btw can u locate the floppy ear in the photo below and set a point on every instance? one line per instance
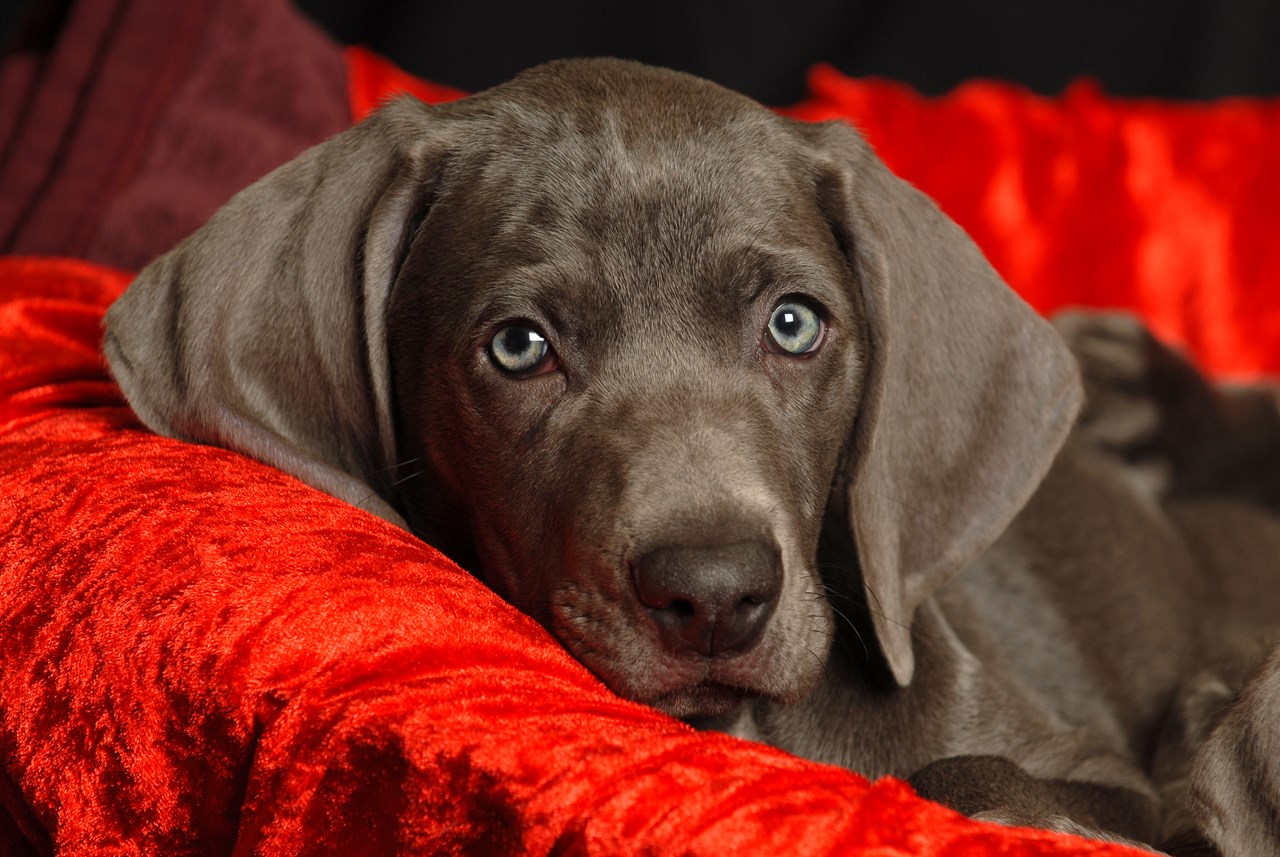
(265, 331)
(968, 393)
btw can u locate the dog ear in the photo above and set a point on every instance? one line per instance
(265, 331)
(968, 393)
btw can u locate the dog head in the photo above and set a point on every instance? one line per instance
(622, 341)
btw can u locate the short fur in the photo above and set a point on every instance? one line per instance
(333, 320)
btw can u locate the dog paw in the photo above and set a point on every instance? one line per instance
(1144, 403)
(1058, 824)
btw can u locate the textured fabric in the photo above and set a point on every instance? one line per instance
(145, 116)
(201, 655)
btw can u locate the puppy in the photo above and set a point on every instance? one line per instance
(728, 408)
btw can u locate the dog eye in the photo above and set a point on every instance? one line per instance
(794, 328)
(518, 348)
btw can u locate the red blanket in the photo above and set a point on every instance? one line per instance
(199, 654)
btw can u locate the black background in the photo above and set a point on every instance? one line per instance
(1190, 49)
(1193, 49)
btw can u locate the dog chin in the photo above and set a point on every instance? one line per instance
(706, 703)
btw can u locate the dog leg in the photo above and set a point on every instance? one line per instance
(1179, 434)
(992, 788)
(1235, 776)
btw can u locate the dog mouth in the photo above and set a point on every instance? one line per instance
(703, 705)
(611, 630)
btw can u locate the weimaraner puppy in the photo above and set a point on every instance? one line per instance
(741, 418)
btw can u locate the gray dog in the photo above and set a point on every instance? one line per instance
(727, 406)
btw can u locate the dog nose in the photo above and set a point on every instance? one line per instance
(712, 598)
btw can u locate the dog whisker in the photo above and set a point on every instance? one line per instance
(769, 221)
(397, 483)
(397, 465)
(414, 475)
(849, 622)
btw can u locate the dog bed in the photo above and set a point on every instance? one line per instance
(201, 655)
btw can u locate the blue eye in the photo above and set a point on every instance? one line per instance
(518, 348)
(794, 328)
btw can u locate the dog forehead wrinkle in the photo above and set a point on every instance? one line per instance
(660, 220)
(592, 152)
(648, 217)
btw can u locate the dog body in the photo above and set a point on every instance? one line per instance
(1062, 649)
(724, 405)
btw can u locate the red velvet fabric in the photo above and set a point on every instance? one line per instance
(202, 655)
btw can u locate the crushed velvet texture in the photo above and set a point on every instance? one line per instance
(203, 655)
(128, 128)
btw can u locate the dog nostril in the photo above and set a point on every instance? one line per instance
(675, 607)
(710, 598)
(681, 609)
